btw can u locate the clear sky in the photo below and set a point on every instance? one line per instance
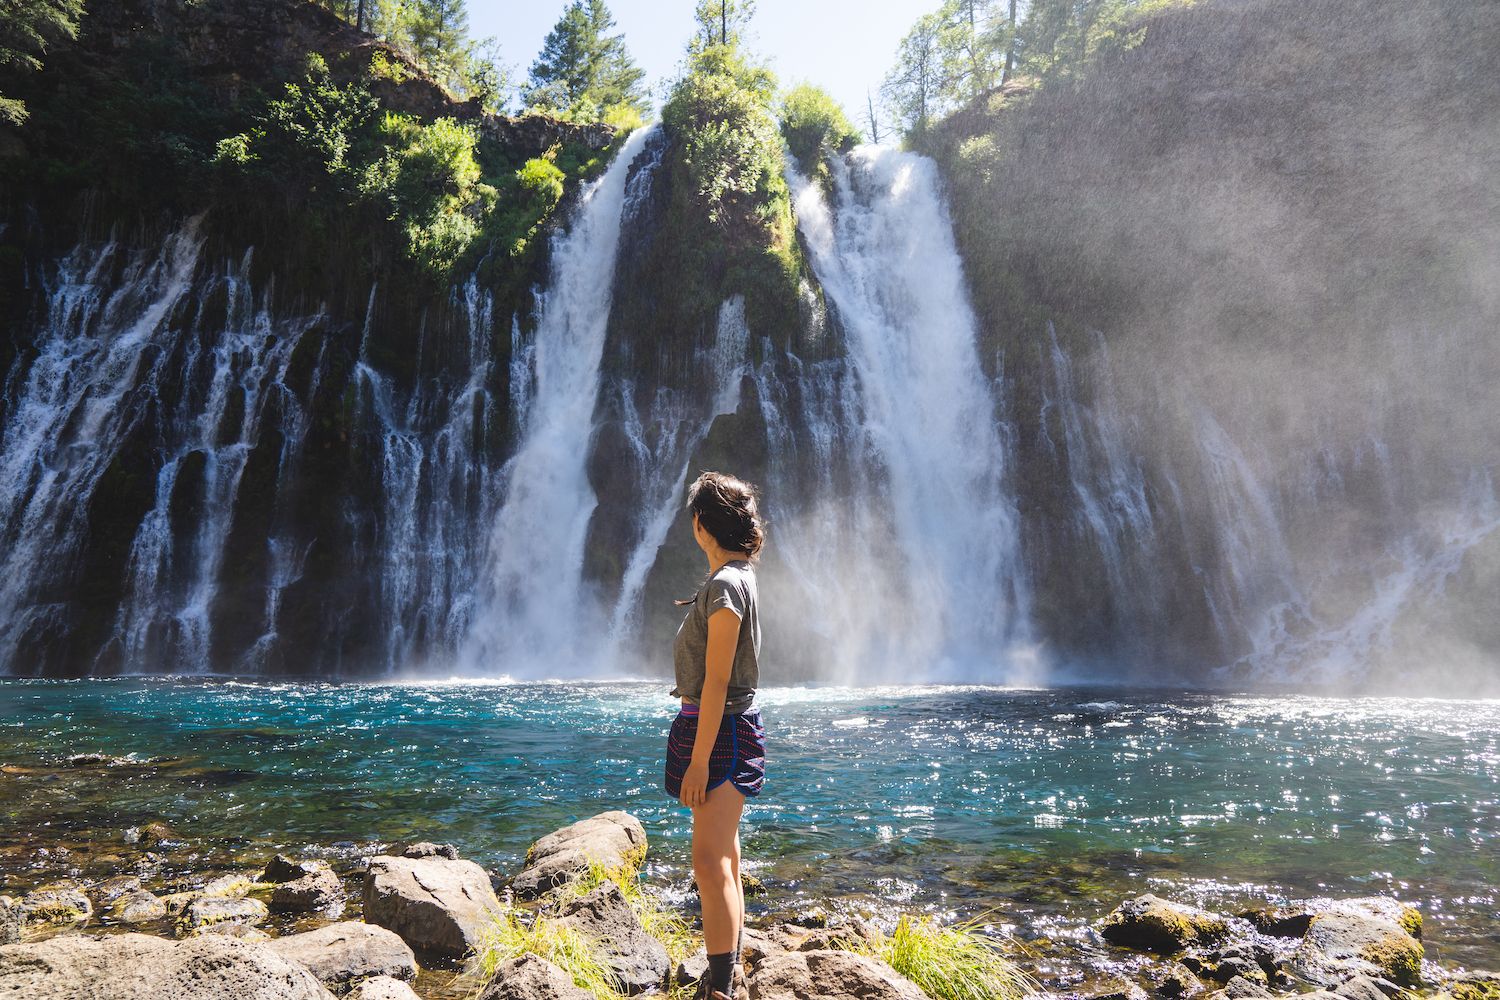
(844, 46)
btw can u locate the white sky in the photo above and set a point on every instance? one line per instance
(844, 46)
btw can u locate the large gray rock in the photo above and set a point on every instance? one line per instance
(383, 988)
(638, 960)
(1365, 937)
(342, 954)
(208, 912)
(282, 868)
(319, 891)
(437, 905)
(1161, 925)
(138, 967)
(11, 921)
(532, 978)
(57, 904)
(610, 839)
(829, 975)
(140, 907)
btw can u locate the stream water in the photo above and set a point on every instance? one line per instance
(1039, 808)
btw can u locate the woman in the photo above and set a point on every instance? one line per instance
(716, 749)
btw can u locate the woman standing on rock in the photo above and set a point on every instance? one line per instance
(716, 753)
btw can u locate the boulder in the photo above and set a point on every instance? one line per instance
(1366, 988)
(829, 975)
(1159, 925)
(1226, 961)
(611, 839)
(340, 955)
(317, 892)
(140, 907)
(1277, 921)
(60, 903)
(531, 977)
(245, 932)
(437, 905)
(205, 912)
(284, 869)
(1240, 988)
(1369, 937)
(11, 921)
(692, 968)
(1119, 989)
(637, 959)
(138, 966)
(1174, 981)
(382, 988)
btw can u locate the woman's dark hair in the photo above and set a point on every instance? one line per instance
(728, 509)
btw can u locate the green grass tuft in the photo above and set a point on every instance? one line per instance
(950, 963)
(510, 935)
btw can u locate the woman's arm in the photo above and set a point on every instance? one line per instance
(723, 636)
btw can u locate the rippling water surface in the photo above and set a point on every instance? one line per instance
(1041, 808)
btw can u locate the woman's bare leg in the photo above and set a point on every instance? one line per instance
(716, 864)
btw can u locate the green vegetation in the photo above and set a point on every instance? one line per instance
(448, 195)
(812, 120)
(949, 963)
(968, 48)
(661, 922)
(584, 73)
(513, 933)
(27, 29)
(434, 34)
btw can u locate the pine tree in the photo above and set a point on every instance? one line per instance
(722, 22)
(583, 70)
(439, 34)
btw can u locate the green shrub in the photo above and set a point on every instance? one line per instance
(811, 118)
(542, 178)
(728, 139)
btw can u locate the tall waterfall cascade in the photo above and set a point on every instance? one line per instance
(917, 559)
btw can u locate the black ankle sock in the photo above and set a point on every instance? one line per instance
(721, 972)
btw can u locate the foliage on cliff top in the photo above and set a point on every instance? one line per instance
(450, 197)
(585, 73)
(811, 120)
(730, 215)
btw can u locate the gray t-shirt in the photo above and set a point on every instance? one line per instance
(732, 587)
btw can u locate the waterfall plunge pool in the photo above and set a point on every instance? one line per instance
(1039, 809)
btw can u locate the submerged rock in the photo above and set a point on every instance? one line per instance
(531, 977)
(611, 839)
(638, 960)
(341, 954)
(436, 905)
(229, 886)
(138, 966)
(111, 889)
(829, 975)
(1370, 936)
(1159, 925)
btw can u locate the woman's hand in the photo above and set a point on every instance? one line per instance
(695, 785)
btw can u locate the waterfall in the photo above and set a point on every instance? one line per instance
(920, 555)
(533, 610)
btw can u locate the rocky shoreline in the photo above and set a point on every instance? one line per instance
(432, 924)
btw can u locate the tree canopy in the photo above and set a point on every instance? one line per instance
(585, 71)
(27, 29)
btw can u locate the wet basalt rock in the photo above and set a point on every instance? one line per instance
(1162, 926)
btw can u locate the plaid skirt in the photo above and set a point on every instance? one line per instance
(738, 757)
